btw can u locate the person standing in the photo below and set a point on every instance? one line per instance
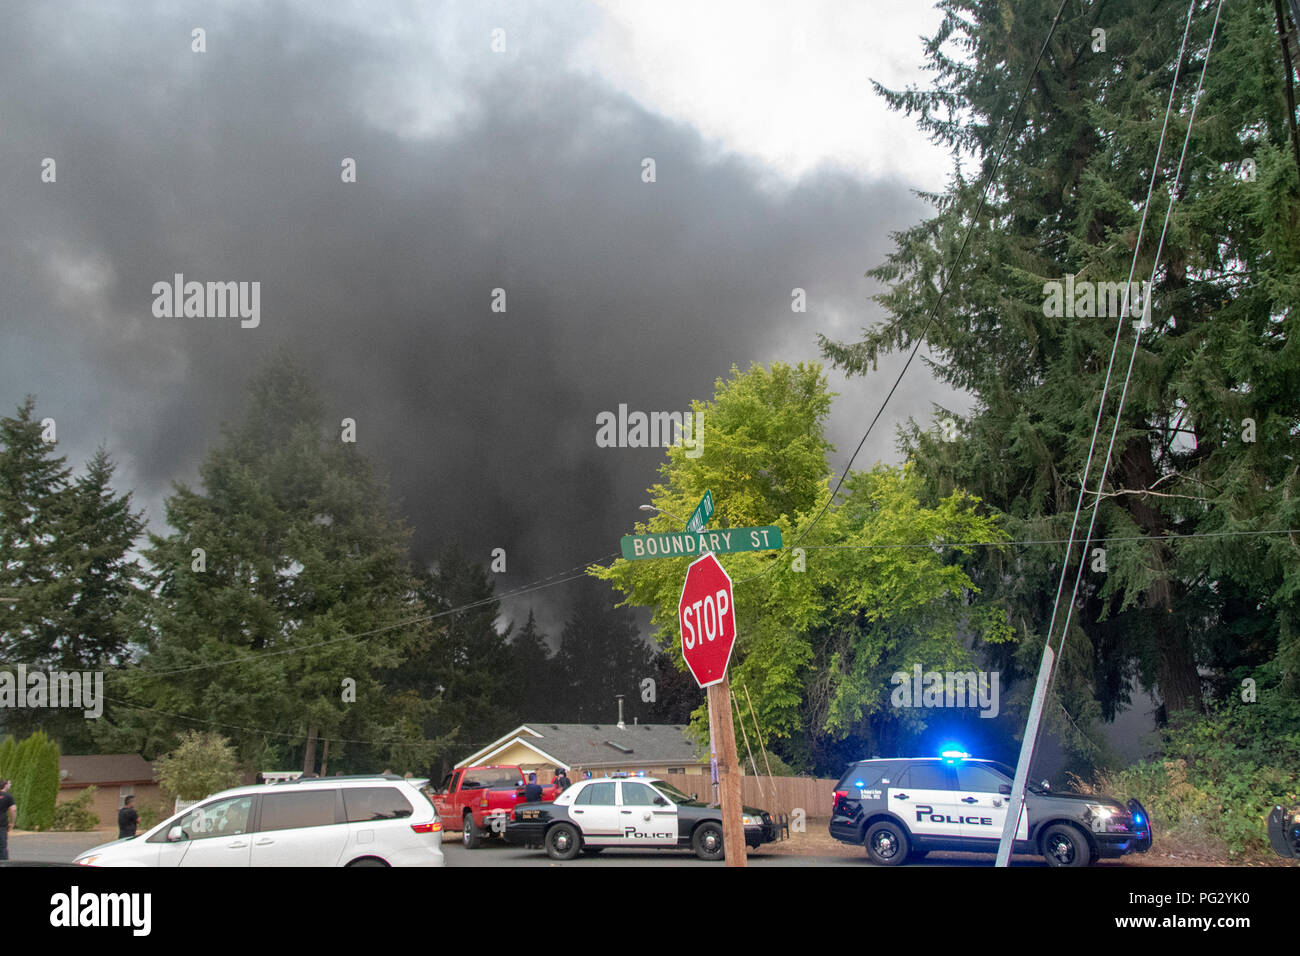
(8, 816)
(127, 819)
(561, 779)
(532, 792)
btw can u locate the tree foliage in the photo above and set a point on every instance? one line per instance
(1208, 439)
(821, 629)
(201, 764)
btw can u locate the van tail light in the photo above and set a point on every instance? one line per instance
(839, 795)
(434, 827)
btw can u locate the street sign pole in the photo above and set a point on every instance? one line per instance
(733, 829)
(713, 750)
(1016, 802)
(707, 617)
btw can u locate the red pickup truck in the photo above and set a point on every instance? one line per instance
(483, 799)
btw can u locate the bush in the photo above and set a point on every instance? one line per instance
(6, 757)
(201, 764)
(77, 815)
(151, 815)
(1220, 776)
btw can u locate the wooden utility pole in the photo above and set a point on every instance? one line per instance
(733, 828)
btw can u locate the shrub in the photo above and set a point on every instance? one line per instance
(77, 815)
(1220, 775)
(201, 764)
(151, 815)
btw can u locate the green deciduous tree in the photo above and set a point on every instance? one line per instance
(820, 629)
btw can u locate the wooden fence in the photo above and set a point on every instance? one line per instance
(773, 794)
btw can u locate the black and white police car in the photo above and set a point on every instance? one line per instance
(641, 812)
(903, 808)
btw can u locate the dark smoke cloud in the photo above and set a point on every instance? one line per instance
(225, 166)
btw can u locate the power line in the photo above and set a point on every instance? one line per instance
(1046, 541)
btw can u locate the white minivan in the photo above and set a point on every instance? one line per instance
(317, 821)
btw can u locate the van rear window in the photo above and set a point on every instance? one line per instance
(365, 804)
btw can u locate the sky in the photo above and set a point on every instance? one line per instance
(496, 145)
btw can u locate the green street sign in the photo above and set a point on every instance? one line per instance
(703, 512)
(688, 544)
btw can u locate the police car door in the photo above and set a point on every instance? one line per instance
(653, 823)
(925, 797)
(595, 811)
(985, 805)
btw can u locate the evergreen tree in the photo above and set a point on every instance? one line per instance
(535, 673)
(463, 668)
(601, 656)
(281, 591)
(7, 757)
(1207, 441)
(40, 784)
(101, 528)
(33, 506)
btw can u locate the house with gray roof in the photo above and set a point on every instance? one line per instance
(653, 749)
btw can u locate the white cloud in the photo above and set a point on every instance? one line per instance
(787, 84)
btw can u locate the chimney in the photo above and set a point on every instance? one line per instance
(621, 725)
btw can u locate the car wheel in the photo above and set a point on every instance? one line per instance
(1064, 845)
(562, 842)
(469, 834)
(368, 861)
(887, 844)
(707, 842)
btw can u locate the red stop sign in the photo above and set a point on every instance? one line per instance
(707, 618)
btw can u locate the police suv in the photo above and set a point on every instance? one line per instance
(902, 809)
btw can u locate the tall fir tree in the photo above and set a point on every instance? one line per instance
(535, 673)
(601, 656)
(1207, 442)
(34, 499)
(462, 668)
(280, 593)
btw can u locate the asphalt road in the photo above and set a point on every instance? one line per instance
(63, 847)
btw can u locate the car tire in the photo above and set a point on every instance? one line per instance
(1065, 845)
(469, 834)
(563, 842)
(706, 841)
(887, 844)
(366, 861)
